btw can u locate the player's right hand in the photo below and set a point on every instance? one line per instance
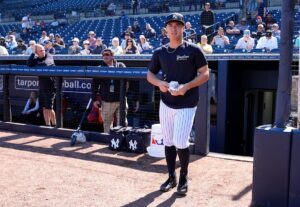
(163, 86)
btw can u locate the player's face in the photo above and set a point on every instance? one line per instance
(107, 57)
(175, 30)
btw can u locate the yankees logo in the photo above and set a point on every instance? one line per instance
(132, 145)
(115, 143)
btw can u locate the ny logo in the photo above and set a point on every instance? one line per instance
(174, 16)
(115, 143)
(132, 145)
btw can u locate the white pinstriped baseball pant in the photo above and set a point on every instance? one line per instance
(176, 125)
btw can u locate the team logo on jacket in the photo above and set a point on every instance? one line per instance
(181, 57)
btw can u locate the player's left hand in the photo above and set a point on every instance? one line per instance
(180, 91)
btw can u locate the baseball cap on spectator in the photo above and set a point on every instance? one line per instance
(46, 42)
(86, 42)
(75, 39)
(207, 3)
(175, 17)
(99, 38)
(20, 40)
(57, 35)
(275, 25)
(258, 17)
(246, 32)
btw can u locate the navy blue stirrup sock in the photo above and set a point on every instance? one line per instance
(171, 159)
(184, 157)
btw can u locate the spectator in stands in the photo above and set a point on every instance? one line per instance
(51, 37)
(59, 43)
(207, 48)
(220, 39)
(48, 45)
(3, 42)
(20, 49)
(75, 48)
(25, 33)
(43, 24)
(12, 43)
(231, 29)
(47, 91)
(99, 46)
(297, 41)
(260, 21)
(163, 38)
(276, 31)
(207, 19)
(92, 39)
(129, 32)
(3, 50)
(131, 47)
(267, 42)
(31, 47)
(143, 44)
(136, 27)
(135, 5)
(246, 42)
(26, 22)
(31, 109)
(16, 34)
(126, 37)
(116, 48)
(189, 33)
(269, 21)
(261, 9)
(86, 48)
(192, 3)
(242, 26)
(150, 32)
(43, 38)
(260, 32)
(111, 9)
(109, 91)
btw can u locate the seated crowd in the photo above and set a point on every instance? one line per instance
(246, 36)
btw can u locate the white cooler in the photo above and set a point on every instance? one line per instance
(157, 147)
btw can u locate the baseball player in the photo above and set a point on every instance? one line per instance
(184, 68)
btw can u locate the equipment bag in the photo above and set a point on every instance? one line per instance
(138, 140)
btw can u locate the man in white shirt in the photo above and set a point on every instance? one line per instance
(31, 47)
(268, 42)
(246, 42)
(220, 39)
(3, 50)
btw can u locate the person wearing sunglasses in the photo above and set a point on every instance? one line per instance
(109, 91)
(131, 47)
(47, 90)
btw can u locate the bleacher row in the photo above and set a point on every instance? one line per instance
(114, 27)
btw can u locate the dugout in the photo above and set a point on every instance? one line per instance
(242, 87)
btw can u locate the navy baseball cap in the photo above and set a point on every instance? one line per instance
(175, 17)
(46, 42)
